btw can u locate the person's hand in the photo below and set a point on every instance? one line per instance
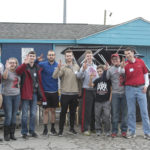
(144, 89)
(59, 64)
(40, 58)
(106, 66)
(84, 65)
(92, 75)
(7, 65)
(26, 60)
(123, 63)
(44, 104)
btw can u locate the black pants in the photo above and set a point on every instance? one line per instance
(71, 101)
(87, 121)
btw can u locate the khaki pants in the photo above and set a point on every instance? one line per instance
(1, 100)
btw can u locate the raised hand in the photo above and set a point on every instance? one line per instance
(106, 66)
(123, 64)
(40, 58)
(7, 65)
(26, 60)
(84, 65)
(59, 64)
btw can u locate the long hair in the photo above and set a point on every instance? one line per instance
(13, 58)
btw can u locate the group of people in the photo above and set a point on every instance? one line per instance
(109, 94)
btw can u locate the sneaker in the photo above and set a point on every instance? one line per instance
(147, 136)
(45, 131)
(72, 131)
(107, 134)
(131, 135)
(34, 135)
(87, 133)
(60, 134)
(53, 132)
(98, 132)
(113, 135)
(25, 136)
(124, 134)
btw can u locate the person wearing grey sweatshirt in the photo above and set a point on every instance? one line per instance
(118, 103)
(88, 93)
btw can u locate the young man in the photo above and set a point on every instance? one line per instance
(88, 92)
(69, 90)
(119, 104)
(31, 88)
(136, 84)
(102, 101)
(50, 86)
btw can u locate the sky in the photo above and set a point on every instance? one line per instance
(78, 11)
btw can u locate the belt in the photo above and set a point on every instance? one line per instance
(136, 85)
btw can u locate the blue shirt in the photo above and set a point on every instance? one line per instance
(49, 83)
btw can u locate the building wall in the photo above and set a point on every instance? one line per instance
(136, 32)
(145, 51)
(14, 50)
(58, 49)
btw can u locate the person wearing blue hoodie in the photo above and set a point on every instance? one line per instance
(50, 86)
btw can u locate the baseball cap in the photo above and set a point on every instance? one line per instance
(114, 55)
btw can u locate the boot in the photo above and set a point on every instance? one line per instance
(12, 132)
(6, 133)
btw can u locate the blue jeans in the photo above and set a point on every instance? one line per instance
(11, 105)
(119, 106)
(32, 106)
(133, 94)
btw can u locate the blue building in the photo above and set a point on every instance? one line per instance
(16, 39)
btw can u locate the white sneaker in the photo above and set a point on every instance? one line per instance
(87, 133)
(131, 135)
(147, 136)
(98, 132)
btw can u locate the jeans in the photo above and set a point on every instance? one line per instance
(119, 106)
(11, 105)
(133, 94)
(32, 106)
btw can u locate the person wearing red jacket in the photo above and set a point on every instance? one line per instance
(31, 90)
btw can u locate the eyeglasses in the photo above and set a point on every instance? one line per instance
(12, 63)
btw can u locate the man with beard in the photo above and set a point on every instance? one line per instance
(50, 86)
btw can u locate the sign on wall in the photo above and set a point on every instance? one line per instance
(24, 52)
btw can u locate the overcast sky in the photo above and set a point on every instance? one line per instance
(78, 11)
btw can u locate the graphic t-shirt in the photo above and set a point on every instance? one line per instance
(117, 79)
(11, 86)
(103, 87)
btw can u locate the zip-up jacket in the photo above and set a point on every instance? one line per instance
(27, 83)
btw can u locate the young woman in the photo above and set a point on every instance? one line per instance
(11, 96)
